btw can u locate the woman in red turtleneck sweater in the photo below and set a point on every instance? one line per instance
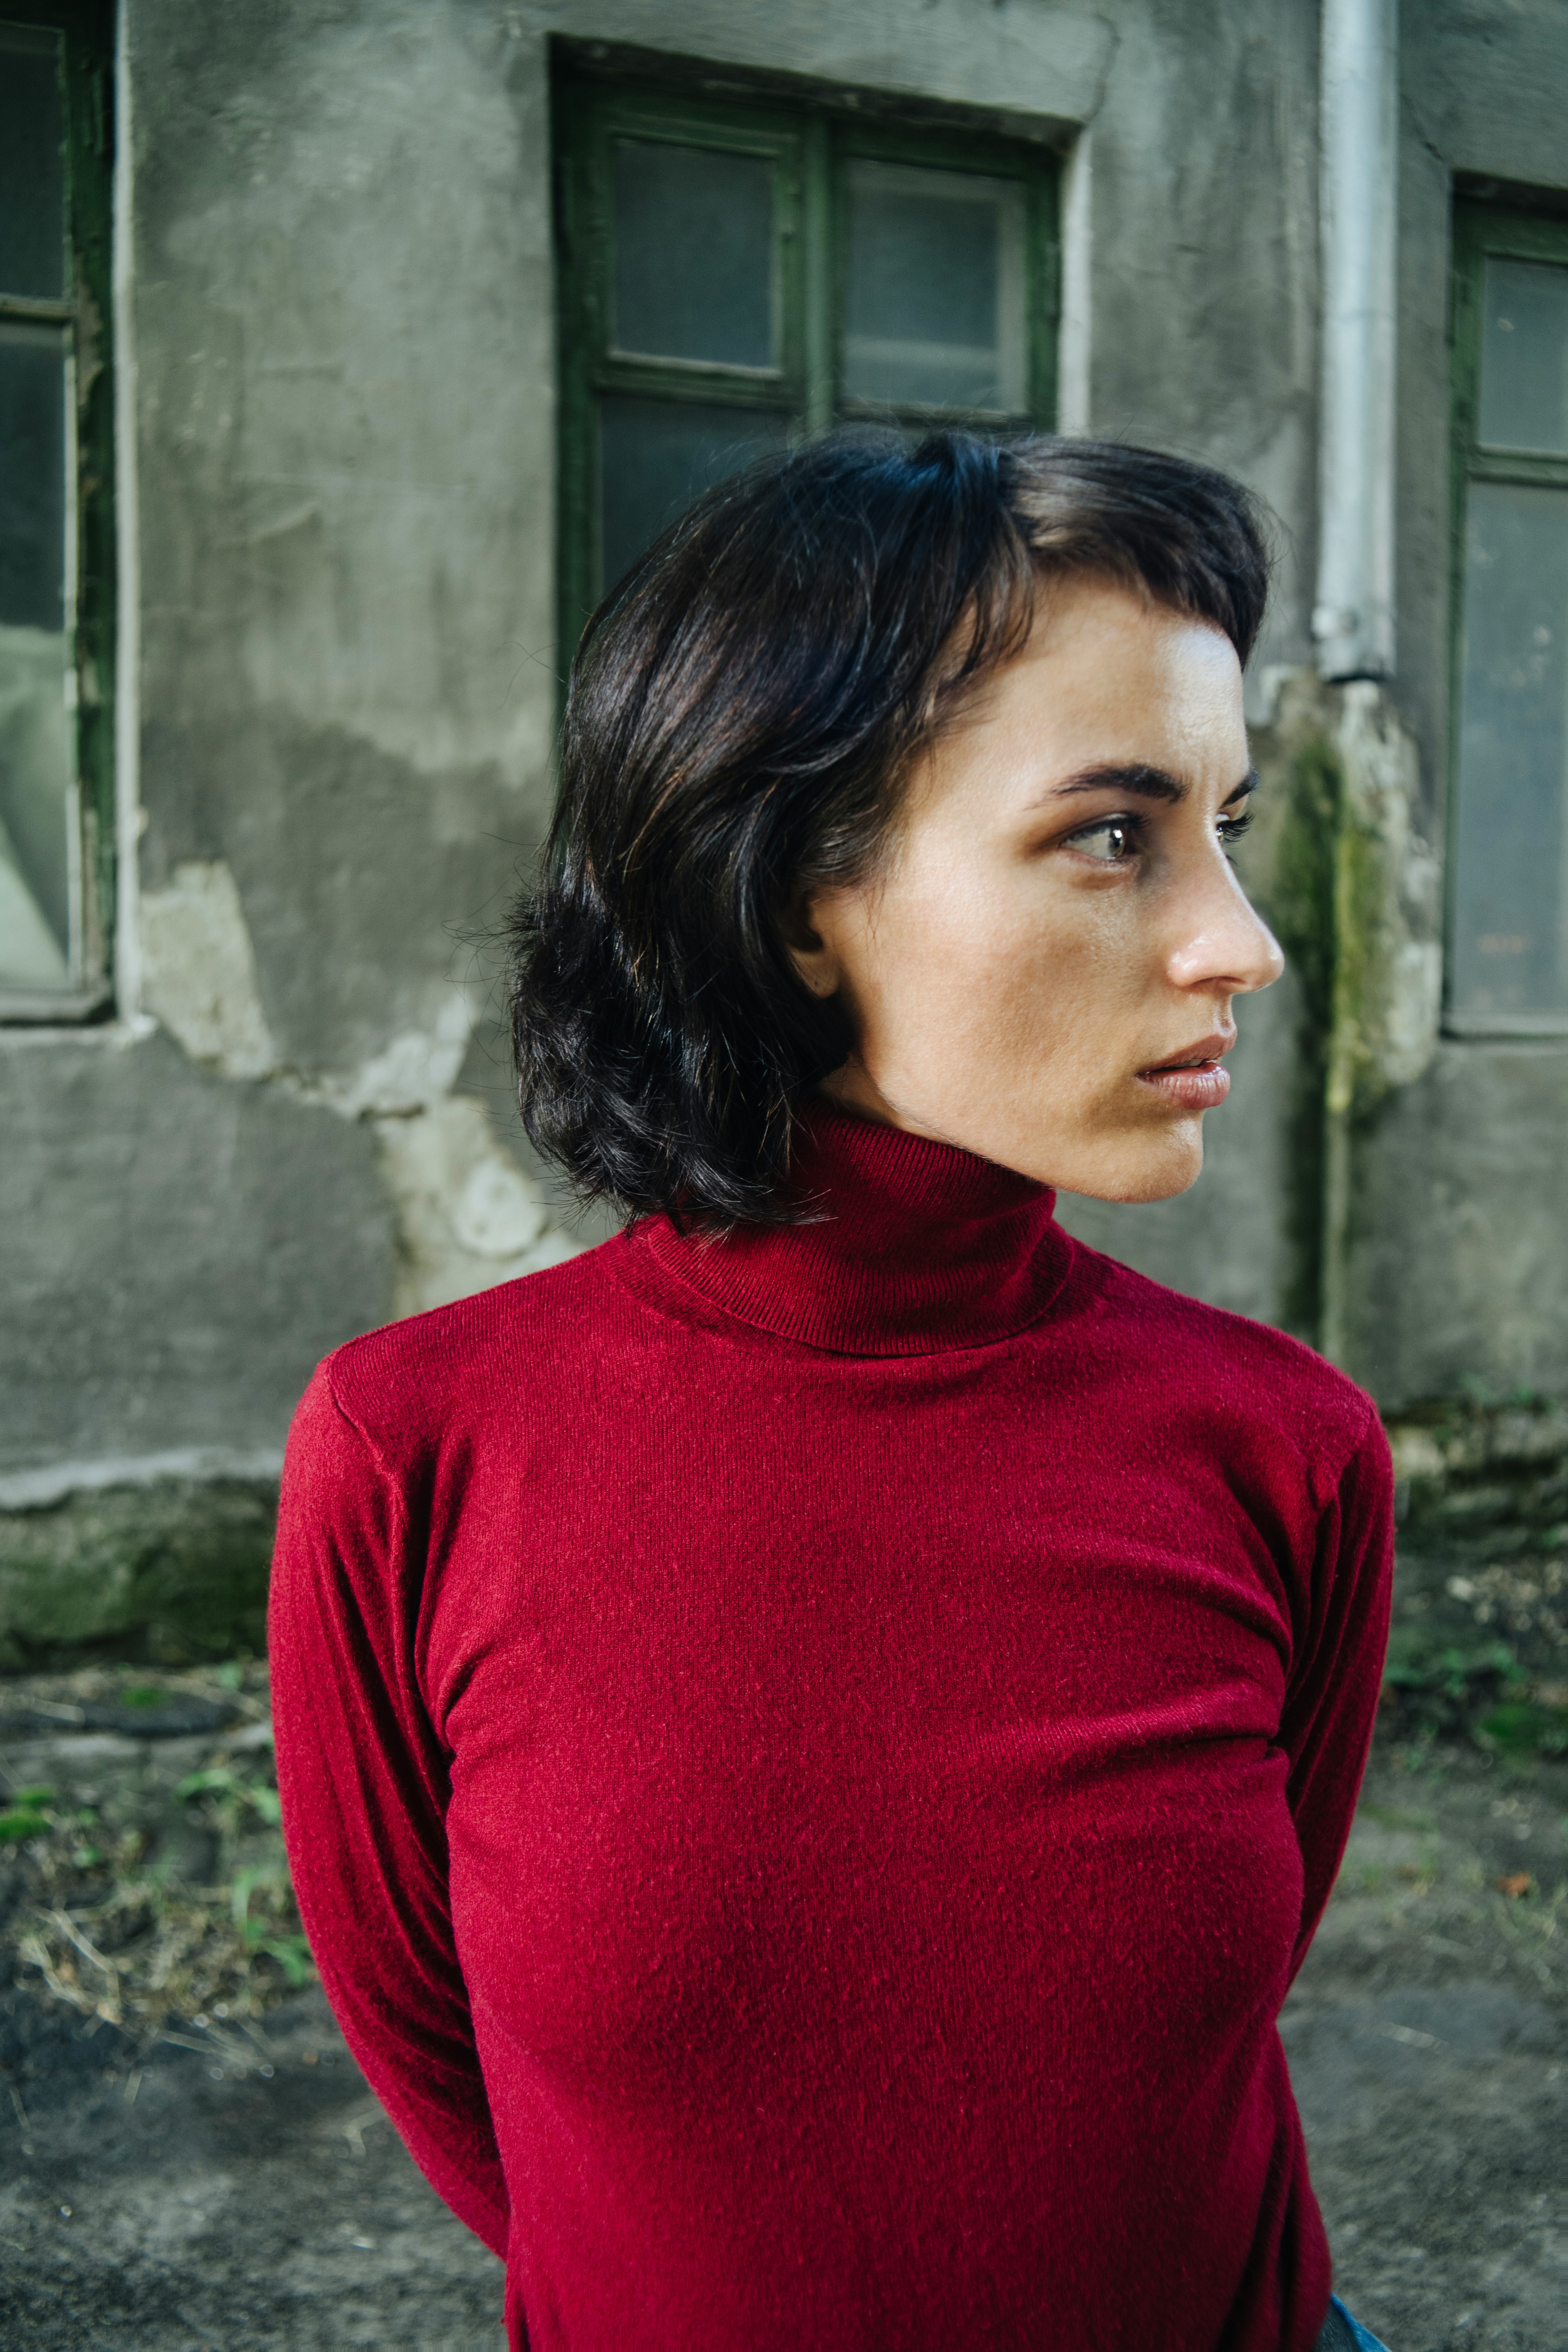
(815, 1737)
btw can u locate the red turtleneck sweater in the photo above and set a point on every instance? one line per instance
(811, 1760)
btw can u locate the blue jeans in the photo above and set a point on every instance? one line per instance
(1342, 2332)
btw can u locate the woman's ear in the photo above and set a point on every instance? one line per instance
(809, 952)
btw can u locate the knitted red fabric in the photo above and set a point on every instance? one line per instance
(810, 1761)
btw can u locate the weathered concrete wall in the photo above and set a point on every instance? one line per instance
(342, 316)
(1458, 1285)
(340, 305)
(1458, 1262)
(186, 1246)
(340, 302)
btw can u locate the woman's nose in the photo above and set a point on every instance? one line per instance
(1224, 942)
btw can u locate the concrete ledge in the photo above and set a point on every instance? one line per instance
(167, 1569)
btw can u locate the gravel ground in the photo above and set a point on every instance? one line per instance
(239, 2214)
(235, 2188)
(1427, 2036)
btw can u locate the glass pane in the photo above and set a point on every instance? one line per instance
(1524, 357)
(935, 291)
(32, 165)
(694, 255)
(656, 455)
(32, 474)
(35, 763)
(1510, 944)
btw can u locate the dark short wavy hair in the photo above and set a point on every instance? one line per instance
(743, 710)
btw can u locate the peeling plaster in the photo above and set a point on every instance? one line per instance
(411, 1074)
(198, 970)
(468, 1216)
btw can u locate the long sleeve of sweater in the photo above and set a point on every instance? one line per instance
(363, 1787)
(1326, 1727)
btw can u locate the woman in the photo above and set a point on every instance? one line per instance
(815, 1737)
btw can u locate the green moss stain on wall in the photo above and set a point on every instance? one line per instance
(1293, 879)
(1351, 894)
(171, 1572)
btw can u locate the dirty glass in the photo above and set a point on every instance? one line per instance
(1511, 915)
(737, 278)
(1524, 356)
(36, 756)
(692, 232)
(933, 305)
(656, 455)
(32, 165)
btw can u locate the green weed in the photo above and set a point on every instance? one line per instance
(1517, 1729)
(23, 1821)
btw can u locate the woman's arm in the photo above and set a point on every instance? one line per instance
(1335, 1685)
(363, 1786)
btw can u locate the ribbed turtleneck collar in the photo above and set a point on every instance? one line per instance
(918, 1247)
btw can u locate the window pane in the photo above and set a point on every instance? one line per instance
(656, 455)
(693, 255)
(34, 809)
(935, 298)
(1524, 356)
(36, 765)
(32, 165)
(1510, 945)
(32, 474)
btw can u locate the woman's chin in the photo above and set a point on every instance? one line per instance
(1141, 1173)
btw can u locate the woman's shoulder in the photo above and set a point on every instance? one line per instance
(1213, 1360)
(428, 1377)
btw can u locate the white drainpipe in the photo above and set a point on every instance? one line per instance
(1359, 102)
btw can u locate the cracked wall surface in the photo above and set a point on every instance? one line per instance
(198, 970)
(340, 296)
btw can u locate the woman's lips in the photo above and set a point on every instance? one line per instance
(1200, 1086)
(1194, 1080)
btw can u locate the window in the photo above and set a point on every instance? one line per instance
(736, 277)
(56, 539)
(1508, 843)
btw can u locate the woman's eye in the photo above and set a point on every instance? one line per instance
(1231, 828)
(1112, 841)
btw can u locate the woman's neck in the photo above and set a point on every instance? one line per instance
(911, 1246)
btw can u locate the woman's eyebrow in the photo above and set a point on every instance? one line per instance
(1142, 781)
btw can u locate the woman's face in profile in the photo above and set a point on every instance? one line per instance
(1043, 970)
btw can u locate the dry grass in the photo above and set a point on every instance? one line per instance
(155, 1893)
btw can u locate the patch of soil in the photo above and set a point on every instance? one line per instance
(180, 2199)
(1427, 2035)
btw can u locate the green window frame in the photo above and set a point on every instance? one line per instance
(78, 316)
(813, 147)
(1508, 848)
